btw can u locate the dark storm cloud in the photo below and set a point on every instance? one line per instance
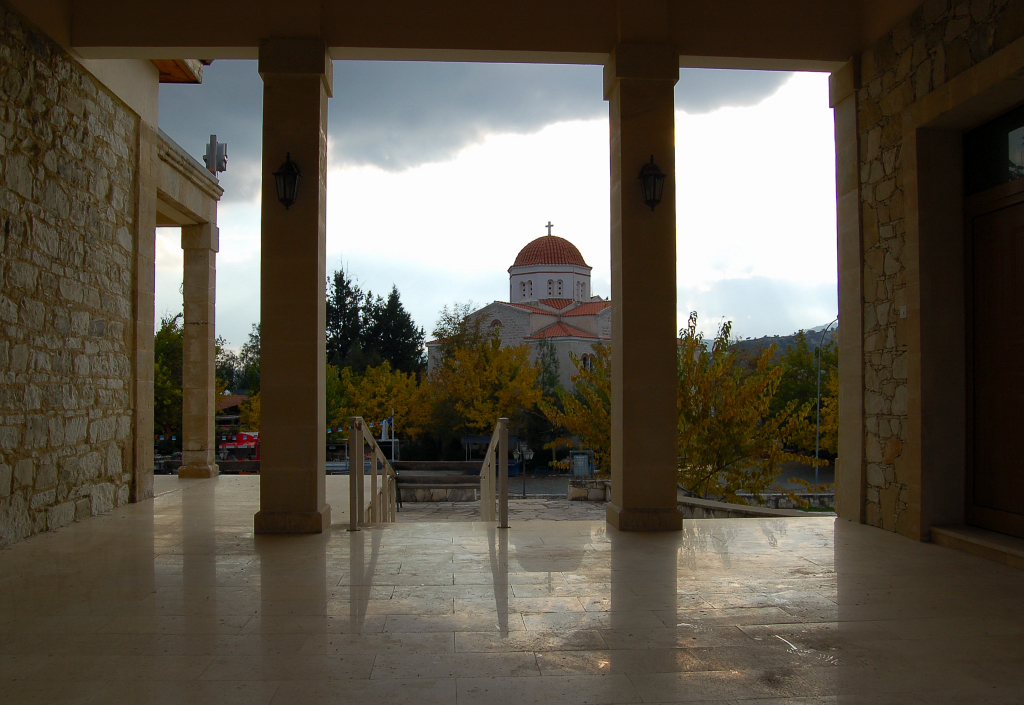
(704, 90)
(398, 115)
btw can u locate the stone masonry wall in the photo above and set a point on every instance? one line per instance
(938, 41)
(67, 173)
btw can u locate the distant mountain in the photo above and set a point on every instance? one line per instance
(813, 335)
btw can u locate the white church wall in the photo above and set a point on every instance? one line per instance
(531, 283)
(604, 323)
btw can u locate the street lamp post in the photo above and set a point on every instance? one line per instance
(523, 456)
(817, 435)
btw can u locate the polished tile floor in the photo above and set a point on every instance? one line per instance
(175, 601)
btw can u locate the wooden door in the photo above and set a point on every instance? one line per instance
(995, 477)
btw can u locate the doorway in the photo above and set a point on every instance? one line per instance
(995, 249)
(995, 477)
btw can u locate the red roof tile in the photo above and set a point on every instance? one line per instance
(549, 249)
(589, 308)
(558, 304)
(561, 330)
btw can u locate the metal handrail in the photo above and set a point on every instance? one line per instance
(383, 502)
(498, 446)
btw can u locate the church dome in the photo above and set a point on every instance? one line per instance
(549, 249)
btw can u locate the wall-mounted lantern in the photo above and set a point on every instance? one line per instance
(287, 178)
(652, 181)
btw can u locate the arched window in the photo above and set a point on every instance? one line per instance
(587, 361)
(551, 287)
(559, 287)
(529, 289)
(522, 290)
(496, 323)
(583, 290)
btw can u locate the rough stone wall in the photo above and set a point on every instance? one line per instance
(938, 41)
(68, 160)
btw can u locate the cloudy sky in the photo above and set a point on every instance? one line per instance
(438, 174)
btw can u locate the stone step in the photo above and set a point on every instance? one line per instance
(997, 547)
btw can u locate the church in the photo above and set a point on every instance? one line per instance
(550, 299)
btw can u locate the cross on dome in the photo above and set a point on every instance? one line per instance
(549, 226)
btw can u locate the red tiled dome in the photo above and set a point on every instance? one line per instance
(549, 249)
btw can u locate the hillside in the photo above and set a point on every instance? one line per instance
(752, 345)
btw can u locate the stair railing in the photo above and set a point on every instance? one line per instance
(381, 504)
(494, 477)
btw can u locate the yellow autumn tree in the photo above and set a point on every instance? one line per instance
(477, 384)
(586, 411)
(250, 413)
(729, 440)
(375, 395)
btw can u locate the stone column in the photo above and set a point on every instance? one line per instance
(199, 373)
(297, 80)
(638, 85)
(849, 481)
(143, 311)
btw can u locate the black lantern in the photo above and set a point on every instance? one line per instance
(652, 181)
(287, 177)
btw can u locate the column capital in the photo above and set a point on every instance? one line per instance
(205, 236)
(297, 55)
(645, 62)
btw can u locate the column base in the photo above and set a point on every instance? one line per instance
(668, 519)
(198, 471)
(292, 522)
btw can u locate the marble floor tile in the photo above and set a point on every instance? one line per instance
(175, 600)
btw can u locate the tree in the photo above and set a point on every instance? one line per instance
(249, 361)
(547, 362)
(228, 365)
(168, 346)
(390, 332)
(381, 393)
(478, 384)
(800, 370)
(729, 439)
(586, 412)
(250, 412)
(456, 328)
(344, 318)
(364, 330)
(798, 386)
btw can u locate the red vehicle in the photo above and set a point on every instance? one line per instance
(239, 446)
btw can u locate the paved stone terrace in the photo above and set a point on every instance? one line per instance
(175, 601)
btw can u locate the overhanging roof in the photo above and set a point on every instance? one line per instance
(793, 34)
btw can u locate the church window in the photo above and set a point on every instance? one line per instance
(529, 288)
(522, 290)
(551, 287)
(588, 362)
(496, 323)
(559, 287)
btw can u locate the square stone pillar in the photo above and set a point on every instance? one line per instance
(639, 82)
(297, 80)
(850, 475)
(199, 364)
(144, 314)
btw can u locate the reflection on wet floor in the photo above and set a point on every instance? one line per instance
(522, 509)
(176, 601)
